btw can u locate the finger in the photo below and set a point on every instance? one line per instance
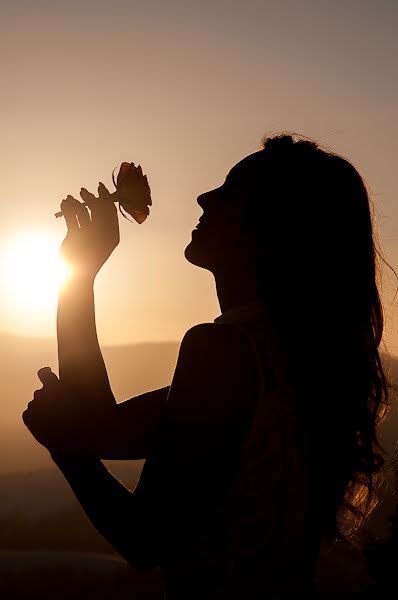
(83, 215)
(107, 200)
(92, 201)
(106, 217)
(110, 217)
(46, 376)
(88, 197)
(103, 191)
(68, 207)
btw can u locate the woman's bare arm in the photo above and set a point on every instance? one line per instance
(81, 365)
(212, 393)
(213, 390)
(131, 431)
(113, 509)
(115, 431)
(91, 238)
(123, 431)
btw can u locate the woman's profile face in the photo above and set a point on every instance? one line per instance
(220, 236)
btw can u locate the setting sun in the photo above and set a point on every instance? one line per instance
(31, 272)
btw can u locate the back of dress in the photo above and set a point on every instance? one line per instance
(269, 545)
(254, 538)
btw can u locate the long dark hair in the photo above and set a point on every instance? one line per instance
(313, 217)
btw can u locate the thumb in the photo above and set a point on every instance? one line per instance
(46, 376)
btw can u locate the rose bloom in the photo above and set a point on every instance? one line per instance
(133, 191)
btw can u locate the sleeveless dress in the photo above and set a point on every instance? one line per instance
(257, 539)
(271, 545)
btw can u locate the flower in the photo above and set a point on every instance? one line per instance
(133, 191)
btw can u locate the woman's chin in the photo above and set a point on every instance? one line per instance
(194, 256)
(190, 253)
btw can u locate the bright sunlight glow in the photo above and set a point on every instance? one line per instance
(32, 272)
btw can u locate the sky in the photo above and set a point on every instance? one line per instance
(186, 89)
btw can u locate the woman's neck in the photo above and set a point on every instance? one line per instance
(235, 289)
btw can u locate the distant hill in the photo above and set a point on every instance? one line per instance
(132, 370)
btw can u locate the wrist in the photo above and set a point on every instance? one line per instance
(77, 282)
(80, 277)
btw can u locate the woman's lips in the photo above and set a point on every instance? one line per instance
(198, 226)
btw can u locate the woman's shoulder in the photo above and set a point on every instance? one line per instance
(219, 332)
(217, 344)
(220, 345)
(215, 368)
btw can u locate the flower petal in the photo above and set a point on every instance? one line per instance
(125, 168)
(139, 216)
(133, 191)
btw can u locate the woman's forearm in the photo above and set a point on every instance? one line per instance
(81, 365)
(110, 506)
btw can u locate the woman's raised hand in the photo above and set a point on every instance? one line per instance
(92, 234)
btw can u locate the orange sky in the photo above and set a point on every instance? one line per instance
(186, 89)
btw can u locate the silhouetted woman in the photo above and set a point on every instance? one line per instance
(265, 442)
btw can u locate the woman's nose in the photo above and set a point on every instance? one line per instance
(203, 199)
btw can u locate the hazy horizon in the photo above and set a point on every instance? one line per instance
(53, 339)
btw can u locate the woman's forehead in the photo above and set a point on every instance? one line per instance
(245, 167)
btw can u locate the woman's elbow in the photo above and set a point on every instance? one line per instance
(141, 556)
